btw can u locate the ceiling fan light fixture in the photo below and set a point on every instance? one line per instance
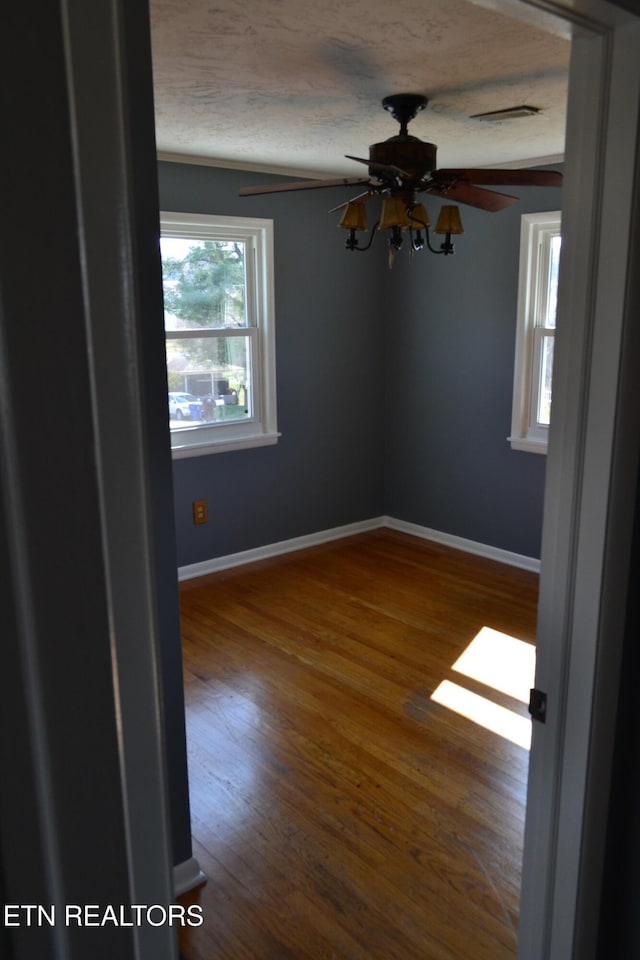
(509, 113)
(419, 216)
(394, 214)
(449, 220)
(354, 217)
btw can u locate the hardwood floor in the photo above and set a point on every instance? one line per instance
(338, 811)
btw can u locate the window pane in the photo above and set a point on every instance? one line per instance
(209, 380)
(203, 283)
(546, 373)
(552, 293)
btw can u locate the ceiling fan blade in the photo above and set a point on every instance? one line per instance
(361, 198)
(359, 159)
(505, 178)
(302, 185)
(383, 167)
(472, 196)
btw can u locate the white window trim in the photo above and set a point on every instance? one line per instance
(261, 429)
(536, 231)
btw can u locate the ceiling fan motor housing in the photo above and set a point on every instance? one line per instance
(414, 156)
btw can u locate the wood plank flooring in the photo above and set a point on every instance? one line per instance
(337, 810)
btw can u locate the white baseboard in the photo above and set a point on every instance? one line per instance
(275, 549)
(186, 876)
(349, 530)
(460, 543)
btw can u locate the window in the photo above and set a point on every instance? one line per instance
(219, 326)
(540, 242)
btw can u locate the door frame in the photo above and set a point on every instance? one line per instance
(591, 478)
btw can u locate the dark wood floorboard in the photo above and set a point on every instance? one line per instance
(338, 812)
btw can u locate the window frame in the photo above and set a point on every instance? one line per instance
(537, 231)
(261, 428)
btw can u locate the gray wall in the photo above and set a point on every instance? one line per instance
(394, 387)
(327, 469)
(450, 349)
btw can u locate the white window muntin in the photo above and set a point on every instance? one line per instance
(537, 297)
(260, 428)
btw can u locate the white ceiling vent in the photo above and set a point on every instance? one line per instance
(511, 113)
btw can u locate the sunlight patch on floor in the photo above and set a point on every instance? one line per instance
(503, 663)
(484, 712)
(500, 661)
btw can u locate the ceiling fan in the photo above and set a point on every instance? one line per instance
(404, 166)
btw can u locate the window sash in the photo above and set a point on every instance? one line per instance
(542, 337)
(253, 383)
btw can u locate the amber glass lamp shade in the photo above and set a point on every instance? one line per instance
(394, 214)
(354, 217)
(419, 217)
(449, 221)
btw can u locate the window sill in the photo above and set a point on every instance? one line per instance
(528, 444)
(178, 452)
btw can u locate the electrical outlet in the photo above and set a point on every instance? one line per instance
(199, 511)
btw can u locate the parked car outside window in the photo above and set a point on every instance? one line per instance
(184, 406)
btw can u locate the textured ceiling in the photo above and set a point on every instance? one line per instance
(293, 85)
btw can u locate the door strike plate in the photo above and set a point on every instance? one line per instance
(538, 705)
